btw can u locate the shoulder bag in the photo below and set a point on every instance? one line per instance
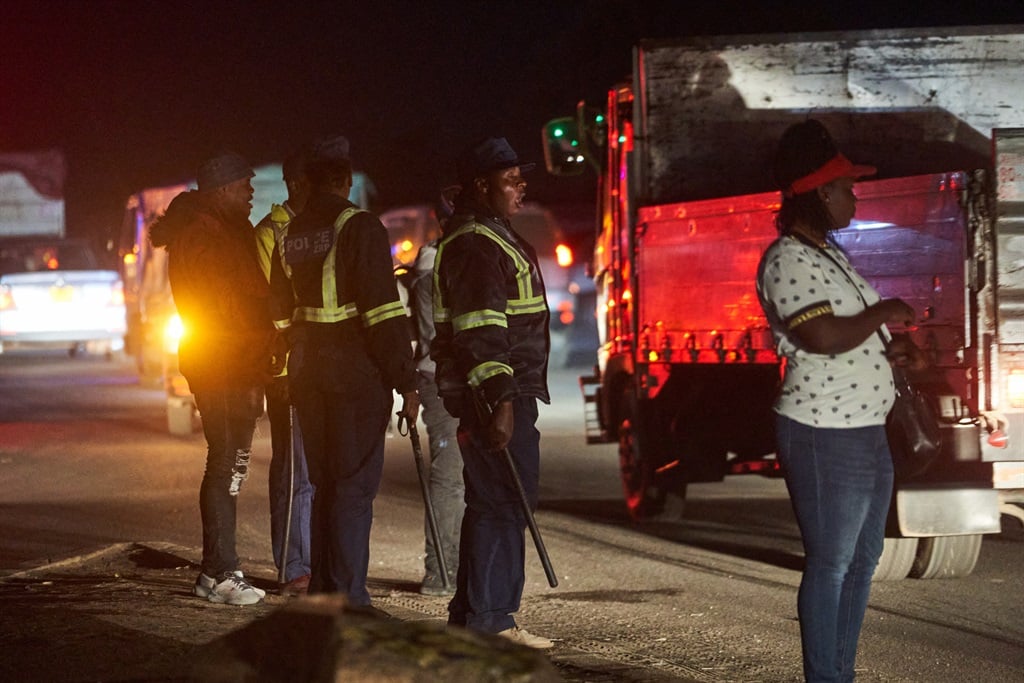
(915, 438)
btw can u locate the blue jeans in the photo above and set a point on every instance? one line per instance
(229, 420)
(491, 575)
(284, 427)
(447, 491)
(840, 483)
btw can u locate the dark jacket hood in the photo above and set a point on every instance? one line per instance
(180, 213)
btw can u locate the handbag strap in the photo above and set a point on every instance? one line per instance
(824, 252)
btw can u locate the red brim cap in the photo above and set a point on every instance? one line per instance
(835, 168)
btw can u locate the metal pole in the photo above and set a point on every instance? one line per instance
(435, 534)
(484, 412)
(291, 495)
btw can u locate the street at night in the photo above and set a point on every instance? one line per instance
(87, 468)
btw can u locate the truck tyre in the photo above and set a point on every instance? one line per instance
(946, 557)
(897, 558)
(645, 500)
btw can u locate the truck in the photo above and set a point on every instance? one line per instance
(687, 369)
(32, 194)
(154, 327)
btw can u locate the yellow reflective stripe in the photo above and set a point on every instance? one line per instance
(382, 313)
(442, 315)
(486, 370)
(327, 315)
(330, 312)
(468, 321)
(524, 283)
(525, 306)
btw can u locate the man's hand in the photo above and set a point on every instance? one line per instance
(410, 406)
(499, 431)
(279, 355)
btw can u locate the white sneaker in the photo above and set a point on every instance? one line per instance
(233, 589)
(524, 637)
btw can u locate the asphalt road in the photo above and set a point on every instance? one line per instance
(86, 464)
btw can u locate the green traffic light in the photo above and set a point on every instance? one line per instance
(558, 132)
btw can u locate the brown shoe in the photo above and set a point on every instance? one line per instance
(299, 586)
(524, 637)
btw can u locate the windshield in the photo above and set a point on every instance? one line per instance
(27, 257)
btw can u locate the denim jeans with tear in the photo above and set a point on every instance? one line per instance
(229, 420)
(840, 483)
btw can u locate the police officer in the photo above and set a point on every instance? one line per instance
(291, 494)
(350, 346)
(491, 348)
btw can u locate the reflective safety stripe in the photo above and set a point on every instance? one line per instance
(486, 370)
(525, 306)
(382, 313)
(526, 303)
(468, 321)
(283, 324)
(331, 311)
(327, 315)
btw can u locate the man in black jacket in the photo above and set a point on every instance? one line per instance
(335, 294)
(491, 348)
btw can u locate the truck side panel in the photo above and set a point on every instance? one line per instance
(709, 112)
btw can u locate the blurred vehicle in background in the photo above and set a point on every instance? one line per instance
(32, 194)
(53, 294)
(410, 227)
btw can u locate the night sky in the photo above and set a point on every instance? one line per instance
(137, 93)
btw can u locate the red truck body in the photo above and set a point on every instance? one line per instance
(687, 369)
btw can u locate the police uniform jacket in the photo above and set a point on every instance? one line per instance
(334, 291)
(490, 313)
(220, 293)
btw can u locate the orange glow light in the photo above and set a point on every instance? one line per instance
(564, 255)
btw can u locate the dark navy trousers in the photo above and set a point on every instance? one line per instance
(343, 434)
(492, 545)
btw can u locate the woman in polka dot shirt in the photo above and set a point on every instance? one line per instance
(836, 393)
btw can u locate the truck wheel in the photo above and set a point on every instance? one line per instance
(946, 557)
(897, 558)
(645, 500)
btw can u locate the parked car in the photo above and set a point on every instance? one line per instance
(53, 294)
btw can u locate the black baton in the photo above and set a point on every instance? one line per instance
(417, 455)
(484, 413)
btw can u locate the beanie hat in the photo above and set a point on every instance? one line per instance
(222, 169)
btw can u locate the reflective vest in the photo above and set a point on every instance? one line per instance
(331, 311)
(526, 309)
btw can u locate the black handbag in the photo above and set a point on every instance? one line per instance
(915, 438)
(912, 426)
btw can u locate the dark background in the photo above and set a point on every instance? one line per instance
(137, 93)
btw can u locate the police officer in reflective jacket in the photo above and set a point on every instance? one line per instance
(491, 348)
(335, 294)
